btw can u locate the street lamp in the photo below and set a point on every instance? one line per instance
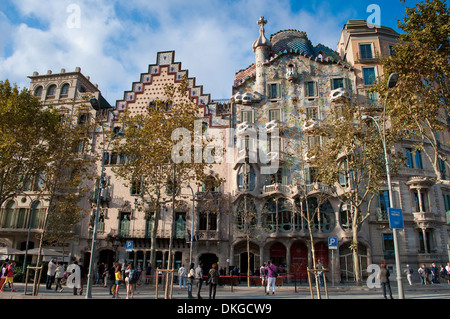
(392, 81)
(192, 226)
(30, 221)
(96, 105)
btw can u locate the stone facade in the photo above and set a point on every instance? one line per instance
(274, 102)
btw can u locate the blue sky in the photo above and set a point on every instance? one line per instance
(114, 41)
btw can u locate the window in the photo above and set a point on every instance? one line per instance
(51, 91)
(383, 205)
(246, 116)
(38, 91)
(369, 75)
(365, 51)
(372, 98)
(310, 89)
(273, 90)
(337, 83)
(274, 115)
(391, 50)
(413, 158)
(135, 188)
(422, 204)
(124, 225)
(65, 90)
(312, 113)
(442, 168)
(388, 246)
(180, 225)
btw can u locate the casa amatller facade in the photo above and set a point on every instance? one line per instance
(290, 85)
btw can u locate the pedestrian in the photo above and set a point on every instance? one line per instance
(199, 278)
(9, 276)
(271, 277)
(383, 275)
(148, 272)
(76, 271)
(422, 274)
(100, 271)
(319, 266)
(3, 275)
(190, 280)
(105, 276)
(213, 278)
(434, 274)
(182, 273)
(447, 268)
(442, 273)
(59, 275)
(263, 275)
(132, 278)
(51, 273)
(112, 278)
(409, 272)
(118, 280)
(82, 278)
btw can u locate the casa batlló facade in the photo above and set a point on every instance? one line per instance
(290, 86)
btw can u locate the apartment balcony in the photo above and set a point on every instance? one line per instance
(207, 235)
(424, 217)
(276, 188)
(246, 155)
(314, 188)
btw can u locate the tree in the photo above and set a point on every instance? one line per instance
(26, 130)
(418, 106)
(350, 159)
(158, 164)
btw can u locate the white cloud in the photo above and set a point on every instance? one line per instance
(116, 41)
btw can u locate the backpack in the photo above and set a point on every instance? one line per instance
(132, 274)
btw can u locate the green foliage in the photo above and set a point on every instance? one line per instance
(419, 104)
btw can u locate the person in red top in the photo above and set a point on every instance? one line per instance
(9, 276)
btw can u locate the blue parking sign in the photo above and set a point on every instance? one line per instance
(395, 218)
(332, 242)
(129, 245)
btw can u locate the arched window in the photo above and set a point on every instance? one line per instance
(38, 91)
(277, 215)
(51, 91)
(322, 218)
(65, 90)
(8, 220)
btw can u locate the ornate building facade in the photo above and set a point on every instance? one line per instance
(265, 126)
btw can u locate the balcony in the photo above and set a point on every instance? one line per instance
(423, 217)
(313, 188)
(207, 235)
(276, 188)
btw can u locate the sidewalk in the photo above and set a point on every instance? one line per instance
(339, 291)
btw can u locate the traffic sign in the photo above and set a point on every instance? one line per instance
(395, 218)
(332, 242)
(129, 245)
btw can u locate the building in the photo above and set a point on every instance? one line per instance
(267, 128)
(66, 92)
(424, 203)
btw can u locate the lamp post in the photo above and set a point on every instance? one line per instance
(30, 221)
(192, 226)
(392, 81)
(98, 106)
